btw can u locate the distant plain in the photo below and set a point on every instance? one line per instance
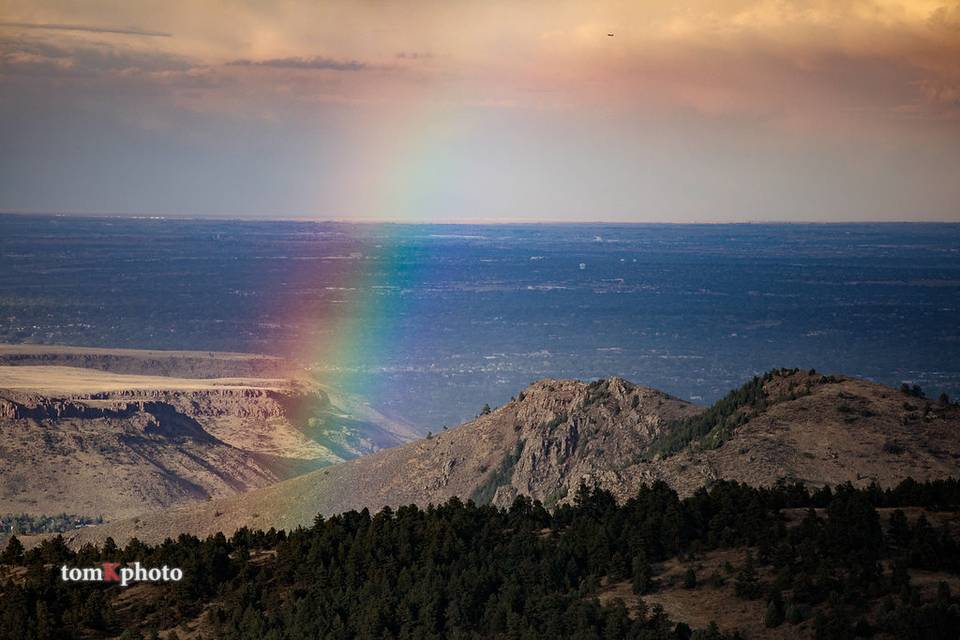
(429, 322)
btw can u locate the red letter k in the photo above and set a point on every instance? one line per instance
(110, 572)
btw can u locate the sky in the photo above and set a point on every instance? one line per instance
(470, 111)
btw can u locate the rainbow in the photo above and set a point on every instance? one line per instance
(360, 322)
(356, 319)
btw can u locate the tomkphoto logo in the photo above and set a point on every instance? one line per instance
(114, 572)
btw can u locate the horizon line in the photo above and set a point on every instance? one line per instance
(259, 217)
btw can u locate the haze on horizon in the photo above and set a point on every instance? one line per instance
(731, 110)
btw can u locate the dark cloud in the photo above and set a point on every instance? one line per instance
(312, 63)
(39, 58)
(414, 55)
(129, 31)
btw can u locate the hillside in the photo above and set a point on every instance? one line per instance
(733, 562)
(542, 444)
(823, 430)
(793, 425)
(93, 442)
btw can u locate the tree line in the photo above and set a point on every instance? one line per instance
(463, 570)
(24, 523)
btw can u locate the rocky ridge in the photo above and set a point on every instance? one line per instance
(790, 425)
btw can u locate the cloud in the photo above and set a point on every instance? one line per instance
(28, 57)
(129, 31)
(946, 17)
(414, 55)
(750, 107)
(942, 93)
(318, 63)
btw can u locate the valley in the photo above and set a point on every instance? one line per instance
(113, 439)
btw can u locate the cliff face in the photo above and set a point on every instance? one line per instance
(239, 403)
(185, 364)
(90, 441)
(118, 454)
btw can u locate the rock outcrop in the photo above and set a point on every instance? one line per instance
(570, 432)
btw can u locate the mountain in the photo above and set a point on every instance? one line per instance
(789, 424)
(87, 440)
(819, 430)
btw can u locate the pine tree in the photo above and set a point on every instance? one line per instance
(109, 550)
(943, 593)
(794, 614)
(93, 608)
(13, 554)
(775, 613)
(747, 585)
(44, 626)
(899, 576)
(642, 574)
(899, 530)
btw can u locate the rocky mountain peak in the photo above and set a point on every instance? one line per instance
(569, 431)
